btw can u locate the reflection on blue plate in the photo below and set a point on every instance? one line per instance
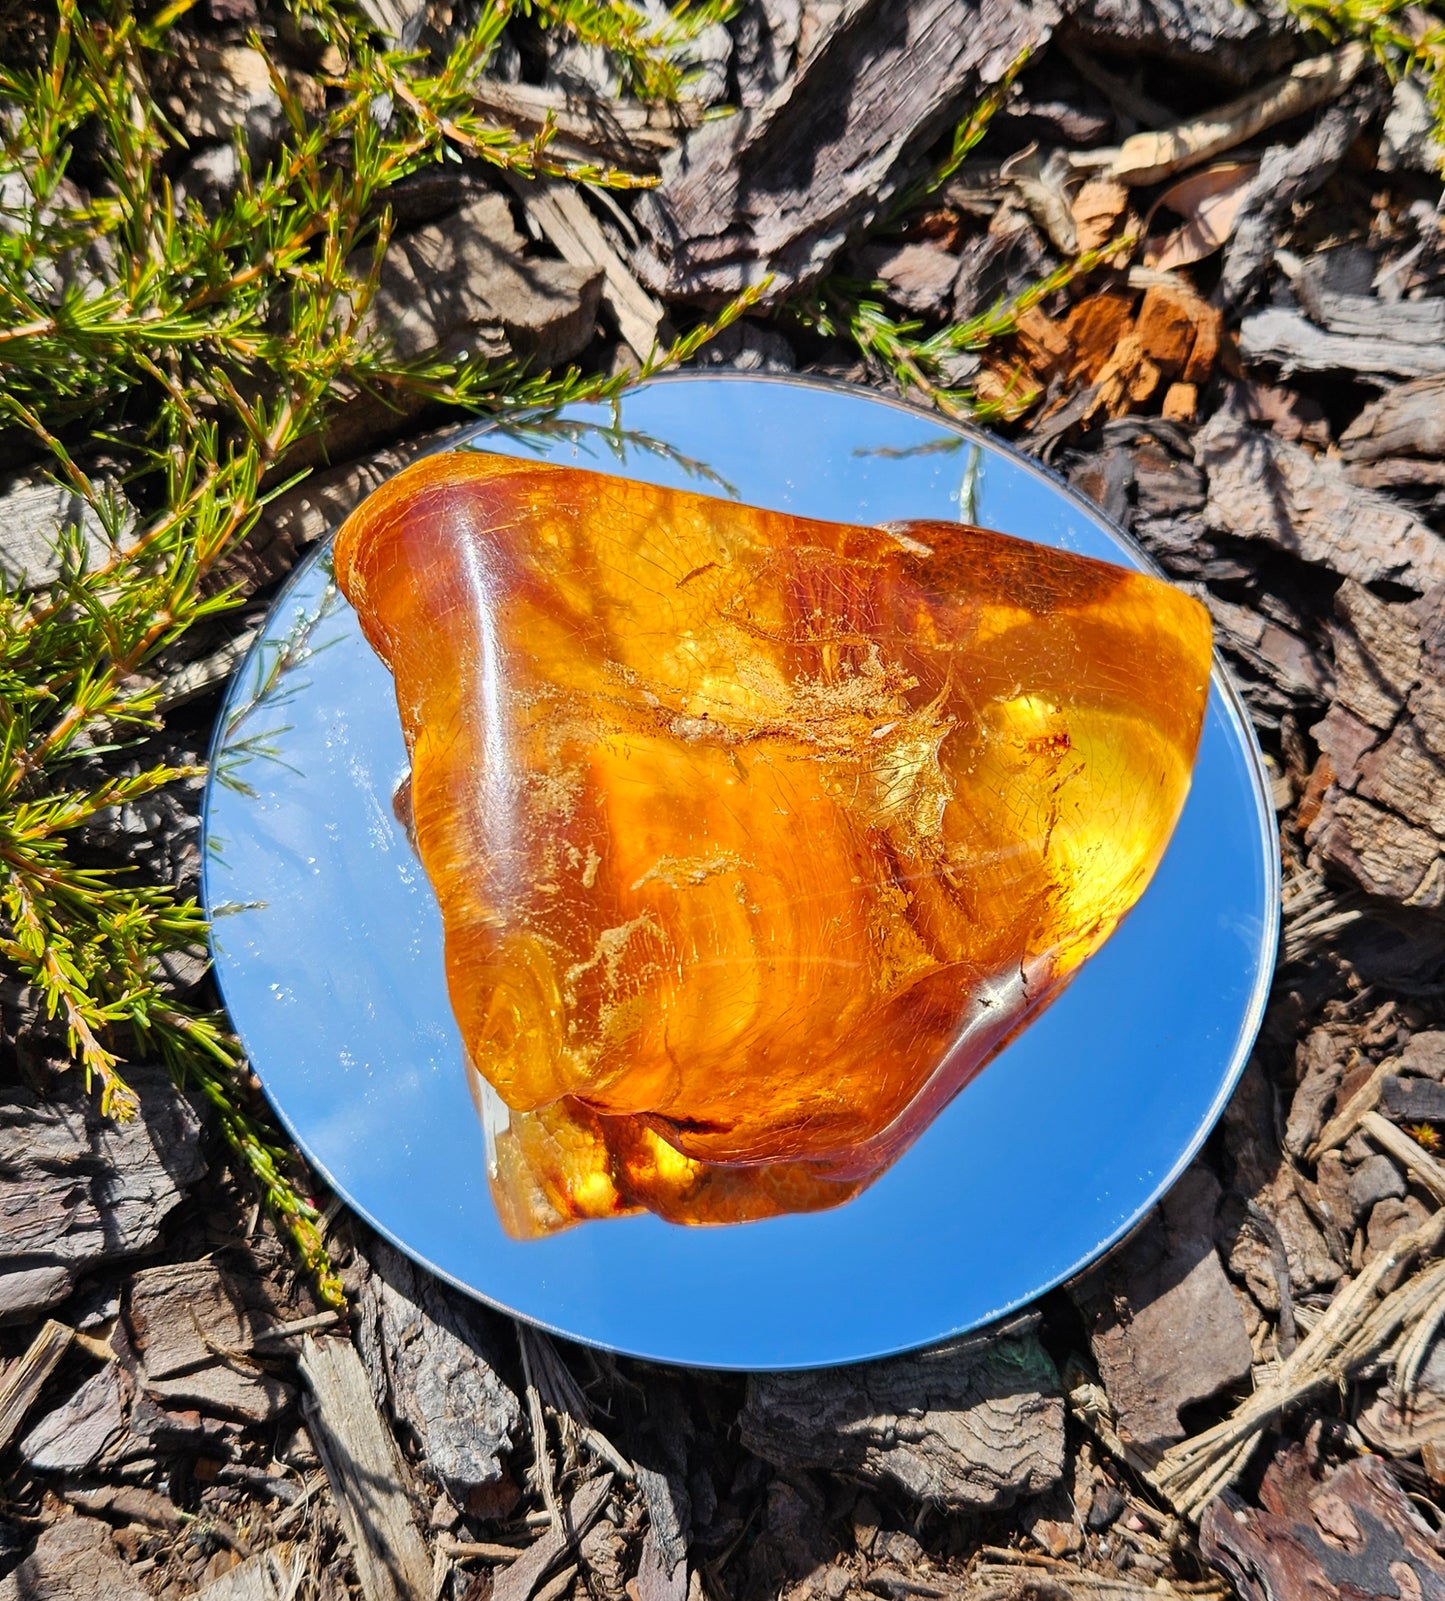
(328, 950)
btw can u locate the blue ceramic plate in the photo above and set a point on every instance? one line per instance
(328, 949)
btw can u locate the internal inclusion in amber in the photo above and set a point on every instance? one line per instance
(754, 837)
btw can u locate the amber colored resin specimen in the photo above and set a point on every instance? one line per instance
(754, 837)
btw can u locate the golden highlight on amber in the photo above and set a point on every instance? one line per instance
(754, 837)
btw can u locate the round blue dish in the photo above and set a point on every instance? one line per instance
(327, 946)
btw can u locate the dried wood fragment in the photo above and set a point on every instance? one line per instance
(266, 1577)
(25, 1377)
(1287, 174)
(192, 1330)
(975, 1424)
(1149, 157)
(622, 132)
(77, 1188)
(365, 1474)
(129, 1503)
(433, 1355)
(87, 1429)
(1354, 1534)
(1232, 39)
(519, 1581)
(1286, 339)
(1261, 487)
(73, 1560)
(782, 189)
(1375, 807)
(1164, 1325)
(1407, 420)
(464, 284)
(566, 220)
(1413, 1100)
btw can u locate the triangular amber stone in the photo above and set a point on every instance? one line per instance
(754, 837)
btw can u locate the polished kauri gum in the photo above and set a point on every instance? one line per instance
(754, 837)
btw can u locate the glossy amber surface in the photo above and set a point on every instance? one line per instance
(754, 837)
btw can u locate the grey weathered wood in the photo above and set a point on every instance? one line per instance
(972, 1425)
(266, 1577)
(1232, 39)
(1288, 173)
(365, 1474)
(193, 1332)
(1413, 1100)
(1380, 812)
(77, 1188)
(563, 216)
(432, 1355)
(1367, 316)
(464, 284)
(1407, 420)
(33, 514)
(519, 1581)
(1261, 487)
(623, 133)
(782, 189)
(85, 1430)
(25, 1378)
(1164, 1326)
(1288, 340)
(75, 1559)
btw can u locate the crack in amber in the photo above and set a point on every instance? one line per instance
(754, 837)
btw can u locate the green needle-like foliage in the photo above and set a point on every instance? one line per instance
(193, 352)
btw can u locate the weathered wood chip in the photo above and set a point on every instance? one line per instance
(1286, 339)
(1164, 1325)
(77, 1188)
(1354, 1534)
(1375, 806)
(975, 1424)
(86, 1429)
(1262, 488)
(1407, 420)
(73, 1560)
(1413, 1100)
(435, 1356)
(520, 1580)
(193, 1332)
(267, 1577)
(780, 190)
(25, 1377)
(365, 1474)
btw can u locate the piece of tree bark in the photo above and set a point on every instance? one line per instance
(87, 1429)
(79, 1188)
(624, 133)
(1288, 174)
(1229, 38)
(75, 1559)
(975, 1424)
(1408, 420)
(266, 1577)
(1413, 1100)
(193, 1332)
(431, 1354)
(32, 515)
(561, 213)
(365, 1474)
(464, 284)
(1351, 1532)
(25, 1378)
(1286, 339)
(782, 189)
(1375, 808)
(1164, 1325)
(520, 1579)
(1262, 488)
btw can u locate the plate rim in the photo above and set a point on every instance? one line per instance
(464, 436)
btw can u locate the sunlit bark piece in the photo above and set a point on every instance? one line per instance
(754, 837)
